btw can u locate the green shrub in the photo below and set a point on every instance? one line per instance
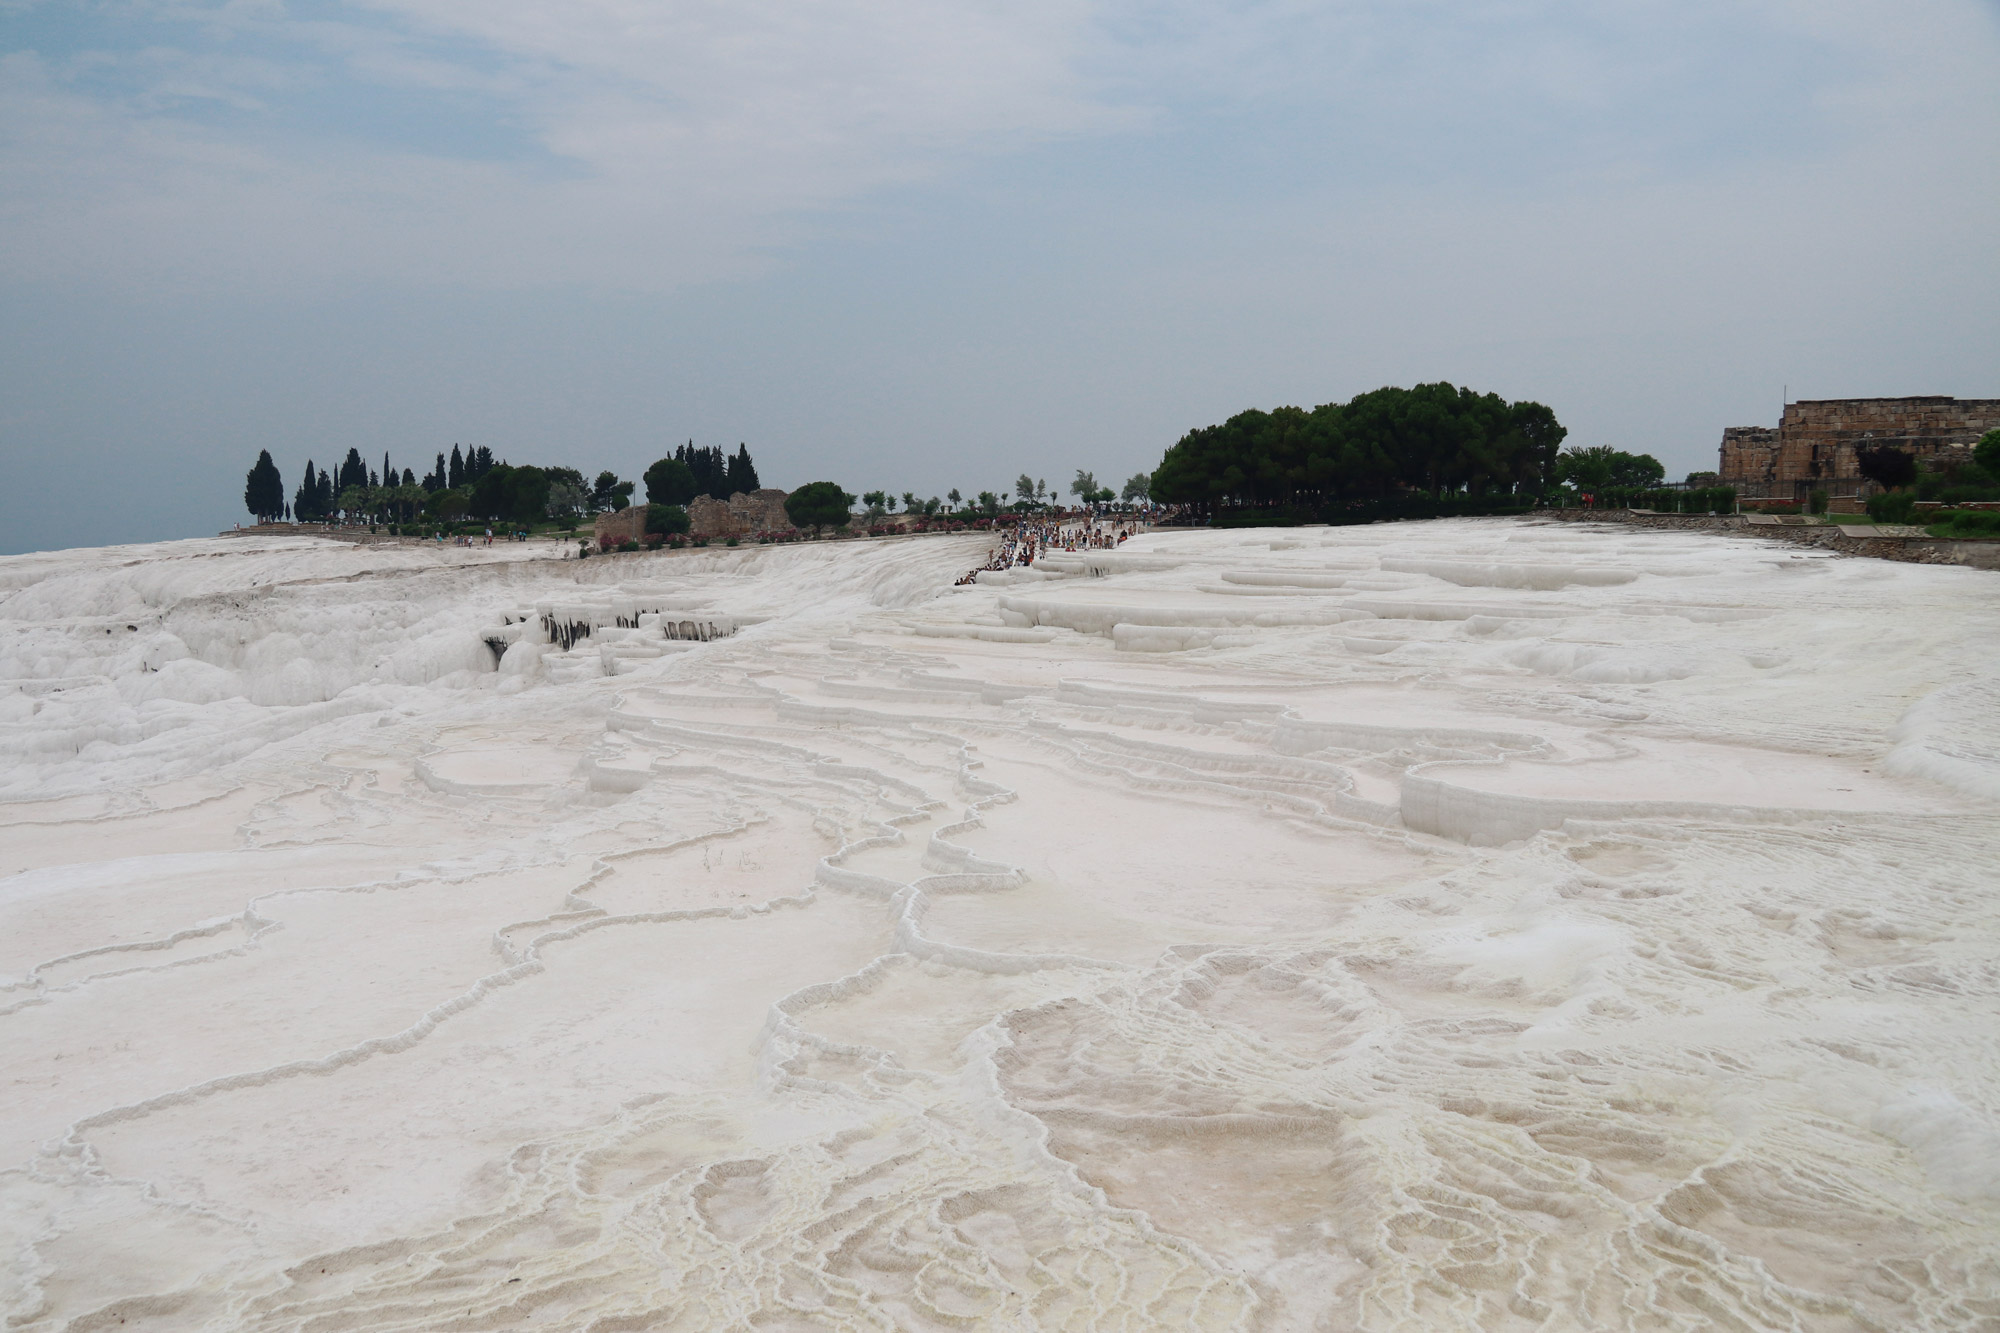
(1968, 489)
(1816, 502)
(1986, 454)
(1892, 507)
(1967, 523)
(664, 520)
(817, 505)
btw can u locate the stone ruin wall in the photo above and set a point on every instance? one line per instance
(628, 524)
(1749, 457)
(742, 515)
(1815, 445)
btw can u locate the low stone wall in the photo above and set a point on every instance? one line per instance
(1826, 536)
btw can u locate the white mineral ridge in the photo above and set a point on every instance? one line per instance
(1477, 925)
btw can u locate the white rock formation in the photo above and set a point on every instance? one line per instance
(1475, 925)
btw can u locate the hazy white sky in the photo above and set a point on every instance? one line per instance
(932, 245)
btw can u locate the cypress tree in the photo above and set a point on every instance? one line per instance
(456, 477)
(709, 466)
(742, 472)
(409, 477)
(326, 494)
(305, 502)
(263, 488)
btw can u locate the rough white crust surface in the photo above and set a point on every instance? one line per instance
(1459, 925)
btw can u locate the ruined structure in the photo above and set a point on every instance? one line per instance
(1814, 446)
(743, 514)
(627, 525)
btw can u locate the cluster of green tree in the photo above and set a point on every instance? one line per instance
(1948, 481)
(460, 471)
(884, 502)
(1032, 492)
(353, 487)
(1602, 468)
(708, 471)
(1138, 487)
(700, 470)
(1434, 439)
(471, 483)
(1029, 494)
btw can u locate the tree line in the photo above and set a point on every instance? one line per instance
(694, 471)
(470, 483)
(1029, 494)
(1433, 440)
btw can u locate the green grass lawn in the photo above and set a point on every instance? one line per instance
(1967, 523)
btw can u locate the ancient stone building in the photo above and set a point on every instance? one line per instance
(1815, 443)
(743, 514)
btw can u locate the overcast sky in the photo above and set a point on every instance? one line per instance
(925, 245)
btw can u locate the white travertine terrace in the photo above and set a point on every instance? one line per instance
(1457, 925)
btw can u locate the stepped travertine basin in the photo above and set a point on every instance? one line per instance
(1462, 925)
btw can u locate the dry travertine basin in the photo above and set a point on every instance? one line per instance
(1475, 925)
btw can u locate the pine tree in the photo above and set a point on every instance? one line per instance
(456, 478)
(353, 472)
(409, 477)
(326, 494)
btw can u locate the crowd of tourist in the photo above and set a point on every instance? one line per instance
(1020, 545)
